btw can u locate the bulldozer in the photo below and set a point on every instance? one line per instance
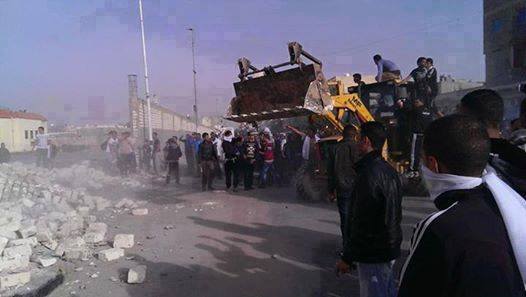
(302, 90)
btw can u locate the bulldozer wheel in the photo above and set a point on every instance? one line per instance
(306, 185)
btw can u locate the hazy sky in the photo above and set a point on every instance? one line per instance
(57, 56)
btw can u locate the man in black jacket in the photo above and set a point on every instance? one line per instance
(506, 159)
(207, 157)
(232, 156)
(464, 248)
(373, 233)
(341, 173)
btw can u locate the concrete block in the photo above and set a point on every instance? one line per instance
(46, 262)
(77, 253)
(111, 254)
(97, 227)
(28, 202)
(27, 231)
(18, 251)
(14, 279)
(52, 245)
(17, 263)
(102, 203)
(12, 226)
(83, 211)
(123, 241)
(8, 234)
(140, 211)
(60, 249)
(31, 241)
(94, 237)
(137, 275)
(44, 235)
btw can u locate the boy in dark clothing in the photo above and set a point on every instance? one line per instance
(172, 153)
(464, 249)
(250, 153)
(207, 158)
(421, 117)
(5, 155)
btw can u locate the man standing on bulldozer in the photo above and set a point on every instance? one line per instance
(387, 70)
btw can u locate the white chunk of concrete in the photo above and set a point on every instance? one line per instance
(123, 241)
(110, 254)
(137, 275)
(14, 279)
(140, 211)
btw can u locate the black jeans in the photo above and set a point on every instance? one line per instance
(249, 174)
(416, 149)
(343, 202)
(231, 173)
(173, 170)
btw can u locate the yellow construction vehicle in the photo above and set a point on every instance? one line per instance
(302, 90)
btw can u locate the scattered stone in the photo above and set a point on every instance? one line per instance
(110, 254)
(46, 262)
(18, 251)
(150, 236)
(17, 263)
(28, 202)
(78, 269)
(95, 275)
(123, 241)
(31, 241)
(114, 279)
(137, 274)
(168, 227)
(52, 245)
(140, 211)
(14, 279)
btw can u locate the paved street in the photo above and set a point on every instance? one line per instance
(258, 243)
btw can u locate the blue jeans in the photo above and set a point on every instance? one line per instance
(265, 170)
(377, 279)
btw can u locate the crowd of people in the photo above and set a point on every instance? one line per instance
(474, 244)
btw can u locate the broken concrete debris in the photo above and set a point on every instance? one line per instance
(140, 211)
(46, 215)
(124, 241)
(137, 275)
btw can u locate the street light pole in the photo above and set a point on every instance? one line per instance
(146, 80)
(195, 77)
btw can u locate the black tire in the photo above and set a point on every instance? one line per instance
(308, 188)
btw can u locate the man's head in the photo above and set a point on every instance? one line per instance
(206, 136)
(377, 58)
(429, 62)
(456, 144)
(2, 145)
(40, 130)
(418, 103)
(227, 133)
(155, 135)
(372, 137)
(357, 77)
(252, 136)
(421, 61)
(486, 105)
(113, 133)
(349, 132)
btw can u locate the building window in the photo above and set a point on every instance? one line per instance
(518, 55)
(31, 134)
(496, 25)
(27, 134)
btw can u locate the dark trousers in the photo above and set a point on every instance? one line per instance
(416, 149)
(173, 170)
(126, 163)
(42, 159)
(207, 173)
(190, 161)
(232, 173)
(343, 202)
(249, 175)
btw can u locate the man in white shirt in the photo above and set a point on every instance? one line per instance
(41, 147)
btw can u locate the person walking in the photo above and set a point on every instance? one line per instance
(232, 158)
(373, 234)
(341, 173)
(156, 153)
(110, 147)
(41, 146)
(207, 159)
(5, 155)
(267, 156)
(474, 245)
(126, 154)
(249, 152)
(172, 154)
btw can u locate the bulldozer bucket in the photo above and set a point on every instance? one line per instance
(294, 92)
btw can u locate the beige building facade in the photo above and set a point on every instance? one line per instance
(19, 129)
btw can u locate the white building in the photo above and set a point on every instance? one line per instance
(18, 129)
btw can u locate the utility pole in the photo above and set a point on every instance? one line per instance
(195, 78)
(146, 81)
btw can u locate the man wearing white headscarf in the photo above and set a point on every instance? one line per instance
(475, 245)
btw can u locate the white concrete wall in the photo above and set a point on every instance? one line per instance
(13, 133)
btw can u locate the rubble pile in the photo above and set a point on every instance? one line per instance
(49, 215)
